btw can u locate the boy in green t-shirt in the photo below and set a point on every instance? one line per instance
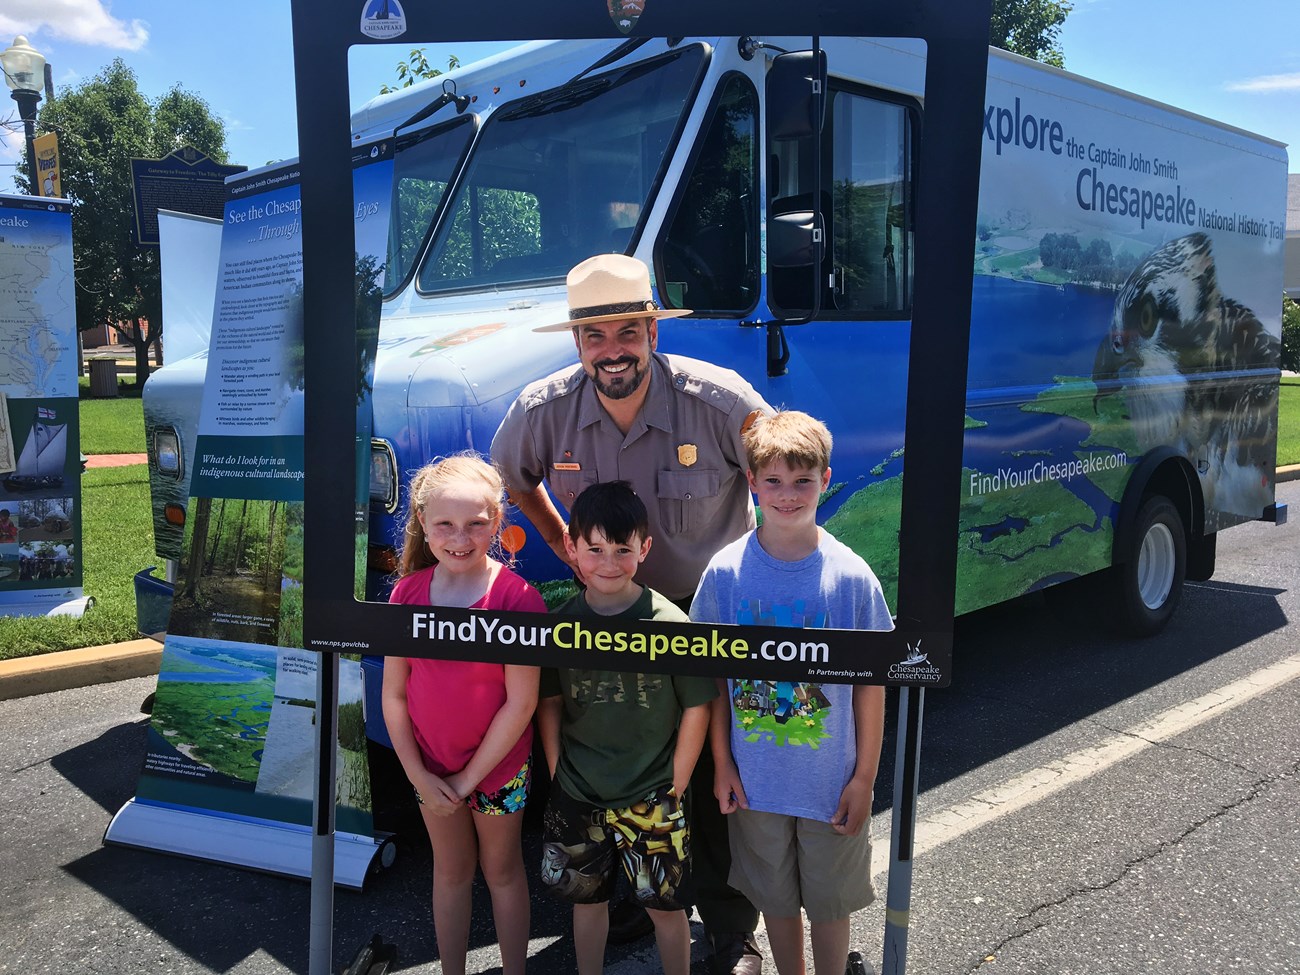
(620, 747)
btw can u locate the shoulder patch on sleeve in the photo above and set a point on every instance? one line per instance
(750, 420)
(554, 386)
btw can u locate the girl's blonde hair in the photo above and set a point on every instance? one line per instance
(464, 469)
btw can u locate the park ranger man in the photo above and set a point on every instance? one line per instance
(671, 427)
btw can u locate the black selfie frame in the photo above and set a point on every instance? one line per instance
(956, 35)
(947, 191)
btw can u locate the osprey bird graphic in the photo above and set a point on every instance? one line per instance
(1198, 371)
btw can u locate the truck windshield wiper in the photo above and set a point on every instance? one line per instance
(446, 98)
(620, 52)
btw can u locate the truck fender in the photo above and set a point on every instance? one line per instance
(1165, 472)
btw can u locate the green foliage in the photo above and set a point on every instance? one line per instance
(416, 68)
(1290, 335)
(102, 125)
(352, 726)
(289, 633)
(1030, 28)
(1095, 263)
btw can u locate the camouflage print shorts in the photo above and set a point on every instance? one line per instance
(582, 845)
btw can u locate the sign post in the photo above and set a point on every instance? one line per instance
(185, 180)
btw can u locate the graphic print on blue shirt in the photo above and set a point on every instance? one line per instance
(752, 612)
(790, 712)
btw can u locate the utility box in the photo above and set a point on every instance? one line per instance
(103, 378)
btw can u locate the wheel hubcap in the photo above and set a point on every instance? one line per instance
(1155, 575)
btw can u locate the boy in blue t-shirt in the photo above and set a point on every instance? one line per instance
(797, 837)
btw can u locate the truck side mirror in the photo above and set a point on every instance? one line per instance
(791, 105)
(797, 206)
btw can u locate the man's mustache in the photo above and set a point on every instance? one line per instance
(621, 360)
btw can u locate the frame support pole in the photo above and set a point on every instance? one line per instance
(321, 945)
(907, 773)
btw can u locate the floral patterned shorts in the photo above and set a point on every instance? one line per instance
(510, 798)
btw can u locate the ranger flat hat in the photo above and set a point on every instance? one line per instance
(608, 287)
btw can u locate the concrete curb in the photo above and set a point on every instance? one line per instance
(141, 658)
(79, 668)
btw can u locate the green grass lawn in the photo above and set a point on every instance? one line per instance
(111, 426)
(1288, 422)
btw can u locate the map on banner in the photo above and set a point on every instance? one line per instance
(37, 319)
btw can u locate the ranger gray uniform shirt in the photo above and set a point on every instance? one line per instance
(682, 456)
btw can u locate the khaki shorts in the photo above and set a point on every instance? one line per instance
(782, 863)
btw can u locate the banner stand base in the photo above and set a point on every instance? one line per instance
(260, 845)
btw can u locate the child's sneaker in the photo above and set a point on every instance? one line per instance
(858, 965)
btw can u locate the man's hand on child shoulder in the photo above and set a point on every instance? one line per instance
(854, 808)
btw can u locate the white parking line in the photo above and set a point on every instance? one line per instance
(951, 822)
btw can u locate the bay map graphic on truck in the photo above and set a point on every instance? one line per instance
(1126, 304)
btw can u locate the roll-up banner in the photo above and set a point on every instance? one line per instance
(40, 469)
(228, 770)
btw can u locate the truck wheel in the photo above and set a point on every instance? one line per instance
(1150, 580)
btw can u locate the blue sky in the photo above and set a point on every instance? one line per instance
(1240, 67)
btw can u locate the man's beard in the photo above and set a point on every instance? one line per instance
(625, 384)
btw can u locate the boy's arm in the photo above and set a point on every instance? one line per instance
(869, 720)
(691, 732)
(549, 710)
(727, 788)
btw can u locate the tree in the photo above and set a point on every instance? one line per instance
(1290, 335)
(102, 125)
(1030, 28)
(416, 68)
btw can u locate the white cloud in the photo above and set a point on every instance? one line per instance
(1268, 83)
(81, 21)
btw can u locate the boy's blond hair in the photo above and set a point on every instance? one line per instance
(789, 435)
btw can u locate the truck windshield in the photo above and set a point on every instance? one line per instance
(557, 178)
(422, 170)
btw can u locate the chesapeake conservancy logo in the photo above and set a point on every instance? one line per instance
(383, 19)
(915, 668)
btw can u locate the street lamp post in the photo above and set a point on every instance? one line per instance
(24, 70)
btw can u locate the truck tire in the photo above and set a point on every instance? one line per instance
(1149, 582)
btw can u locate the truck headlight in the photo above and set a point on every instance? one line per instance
(167, 452)
(383, 475)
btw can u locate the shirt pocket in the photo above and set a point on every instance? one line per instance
(687, 499)
(567, 485)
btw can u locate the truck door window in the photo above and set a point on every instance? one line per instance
(708, 259)
(422, 170)
(559, 177)
(871, 204)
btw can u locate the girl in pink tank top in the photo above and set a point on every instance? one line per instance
(463, 729)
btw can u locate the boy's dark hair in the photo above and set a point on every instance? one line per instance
(614, 509)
